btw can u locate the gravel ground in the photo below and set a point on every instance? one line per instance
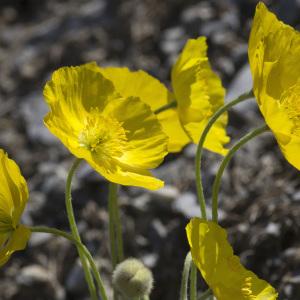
(260, 193)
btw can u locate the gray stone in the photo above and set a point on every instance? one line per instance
(172, 40)
(75, 281)
(241, 84)
(34, 110)
(273, 229)
(187, 205)
(167, 193)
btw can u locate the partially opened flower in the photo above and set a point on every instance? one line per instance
(199, 93)
(13, 198)
(220, 268)
(119, 136)
(197, 90)
(274, 56)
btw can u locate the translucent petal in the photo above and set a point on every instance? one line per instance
(146, 142)
(17, 241)
(13, 191)
(274, 56)
(220, 268)
(127, 175)
(116, 135)
(155, 94)
(199, 93)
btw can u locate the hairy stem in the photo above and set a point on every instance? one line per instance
(193, 282)
(74, 230)
(113, 199)
(185, 277)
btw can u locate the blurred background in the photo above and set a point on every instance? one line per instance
(260, 192)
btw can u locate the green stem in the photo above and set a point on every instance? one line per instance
(83, 249)
(210, 123)
(74, 230)
(205, 295)
(185, 277)
(226, 160)
(115, 228)
(193, 282)
(166, 107)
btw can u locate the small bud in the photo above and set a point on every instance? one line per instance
(133, 279)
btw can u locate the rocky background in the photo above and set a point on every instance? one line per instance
(260, 192)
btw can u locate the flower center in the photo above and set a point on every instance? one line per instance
(290, 101)
(103, 136)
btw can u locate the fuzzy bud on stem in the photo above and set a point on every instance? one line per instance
(133, 279)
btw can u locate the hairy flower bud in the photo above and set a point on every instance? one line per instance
(133, 279)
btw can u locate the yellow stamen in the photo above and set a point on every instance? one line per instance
(104, 137)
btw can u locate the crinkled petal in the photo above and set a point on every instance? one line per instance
(73, 92)
(220, 268)
(138, 84)
(75, 88)
(127, 175)
(274, 56)
(172, 127)
(146, 142)
(199, 93)
(155, 94)
(116, 135)
(289, 145)
(13, 192)
(17, 241)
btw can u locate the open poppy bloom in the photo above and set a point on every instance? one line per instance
(13, 198)
(119, 136)
(220, 268)
(155, 94)
(274, 56)
(197, 90)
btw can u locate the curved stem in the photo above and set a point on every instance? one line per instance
(210, 123)
(185, 277)
(44, 229)
(193, 282)
(74, 230)
(166, 107)
(226, 160)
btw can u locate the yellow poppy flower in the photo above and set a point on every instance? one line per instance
(155, 94)
(220, 268)
(118, 136)
(196, 88)
(199, 93)
(274, 56)
(13, 198)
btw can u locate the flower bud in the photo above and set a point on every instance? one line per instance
(133, 279)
